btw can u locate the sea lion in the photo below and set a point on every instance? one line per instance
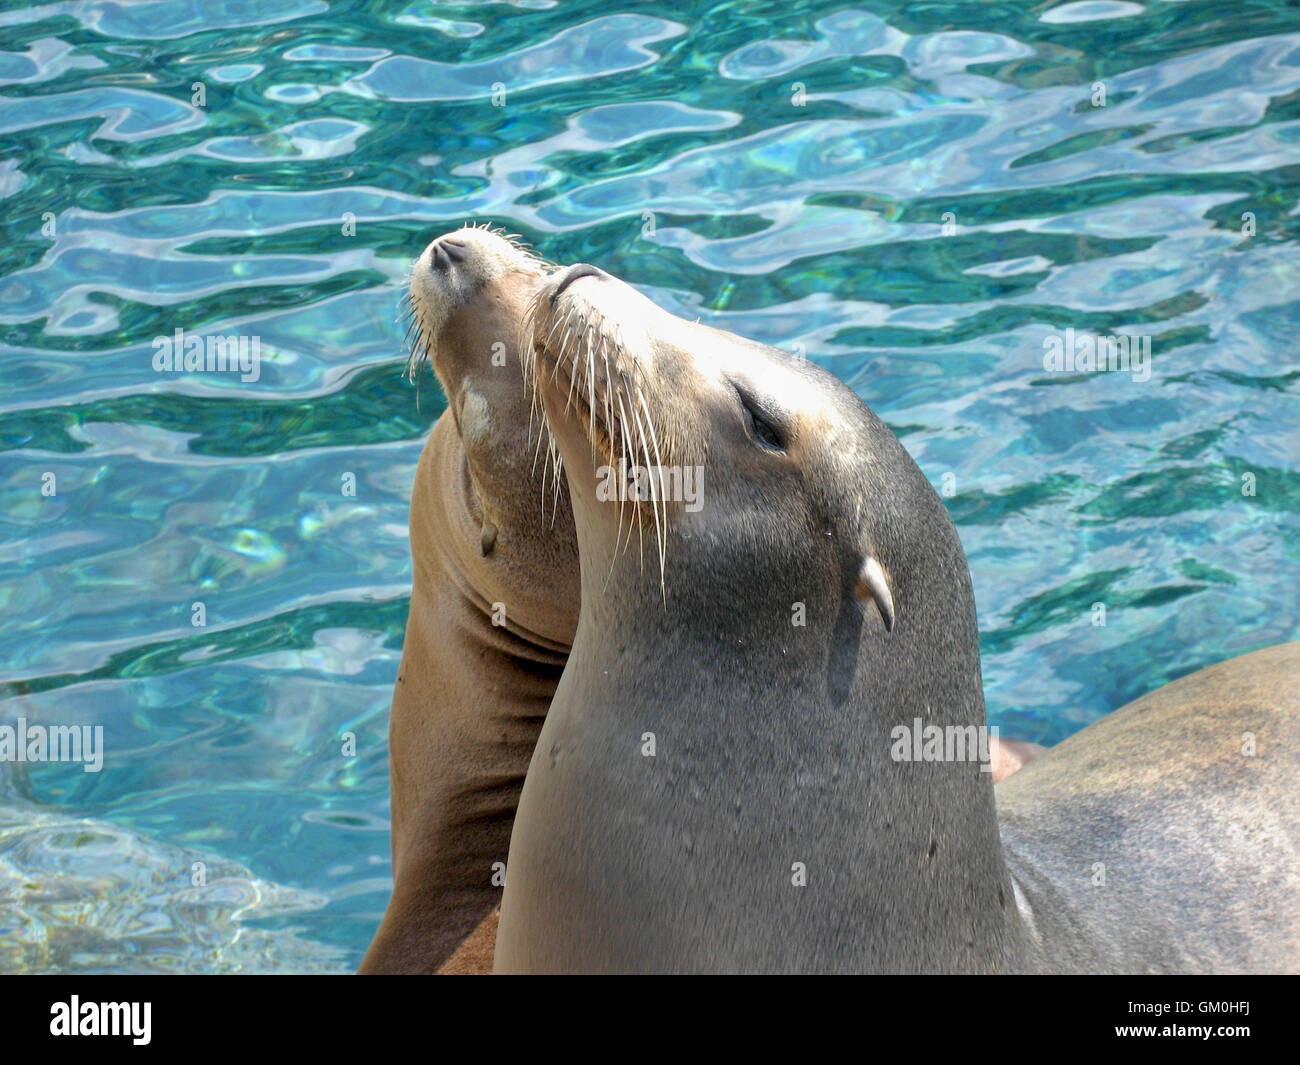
(489, 524)
(494, 604)
(724, 781)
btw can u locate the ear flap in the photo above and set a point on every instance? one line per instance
(872, 583)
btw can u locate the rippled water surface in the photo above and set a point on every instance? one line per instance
(917, 196)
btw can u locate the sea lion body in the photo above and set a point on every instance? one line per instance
(1166, 836)
(717, 787)
(494, 604)
(758, 837)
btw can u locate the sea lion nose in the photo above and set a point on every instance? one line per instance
(445, 252)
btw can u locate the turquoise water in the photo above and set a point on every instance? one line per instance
(915, 195)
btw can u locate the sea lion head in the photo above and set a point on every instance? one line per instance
(802, 493)
(468, 293)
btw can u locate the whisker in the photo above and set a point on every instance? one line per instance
(588, 349)
(662, 532)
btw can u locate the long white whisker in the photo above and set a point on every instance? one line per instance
(623, 469)
(662, 532)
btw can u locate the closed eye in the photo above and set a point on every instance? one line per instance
(763, 429)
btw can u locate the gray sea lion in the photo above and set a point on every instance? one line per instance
(494, 604)
(724, 780)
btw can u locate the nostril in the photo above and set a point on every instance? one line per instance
(444, 253)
